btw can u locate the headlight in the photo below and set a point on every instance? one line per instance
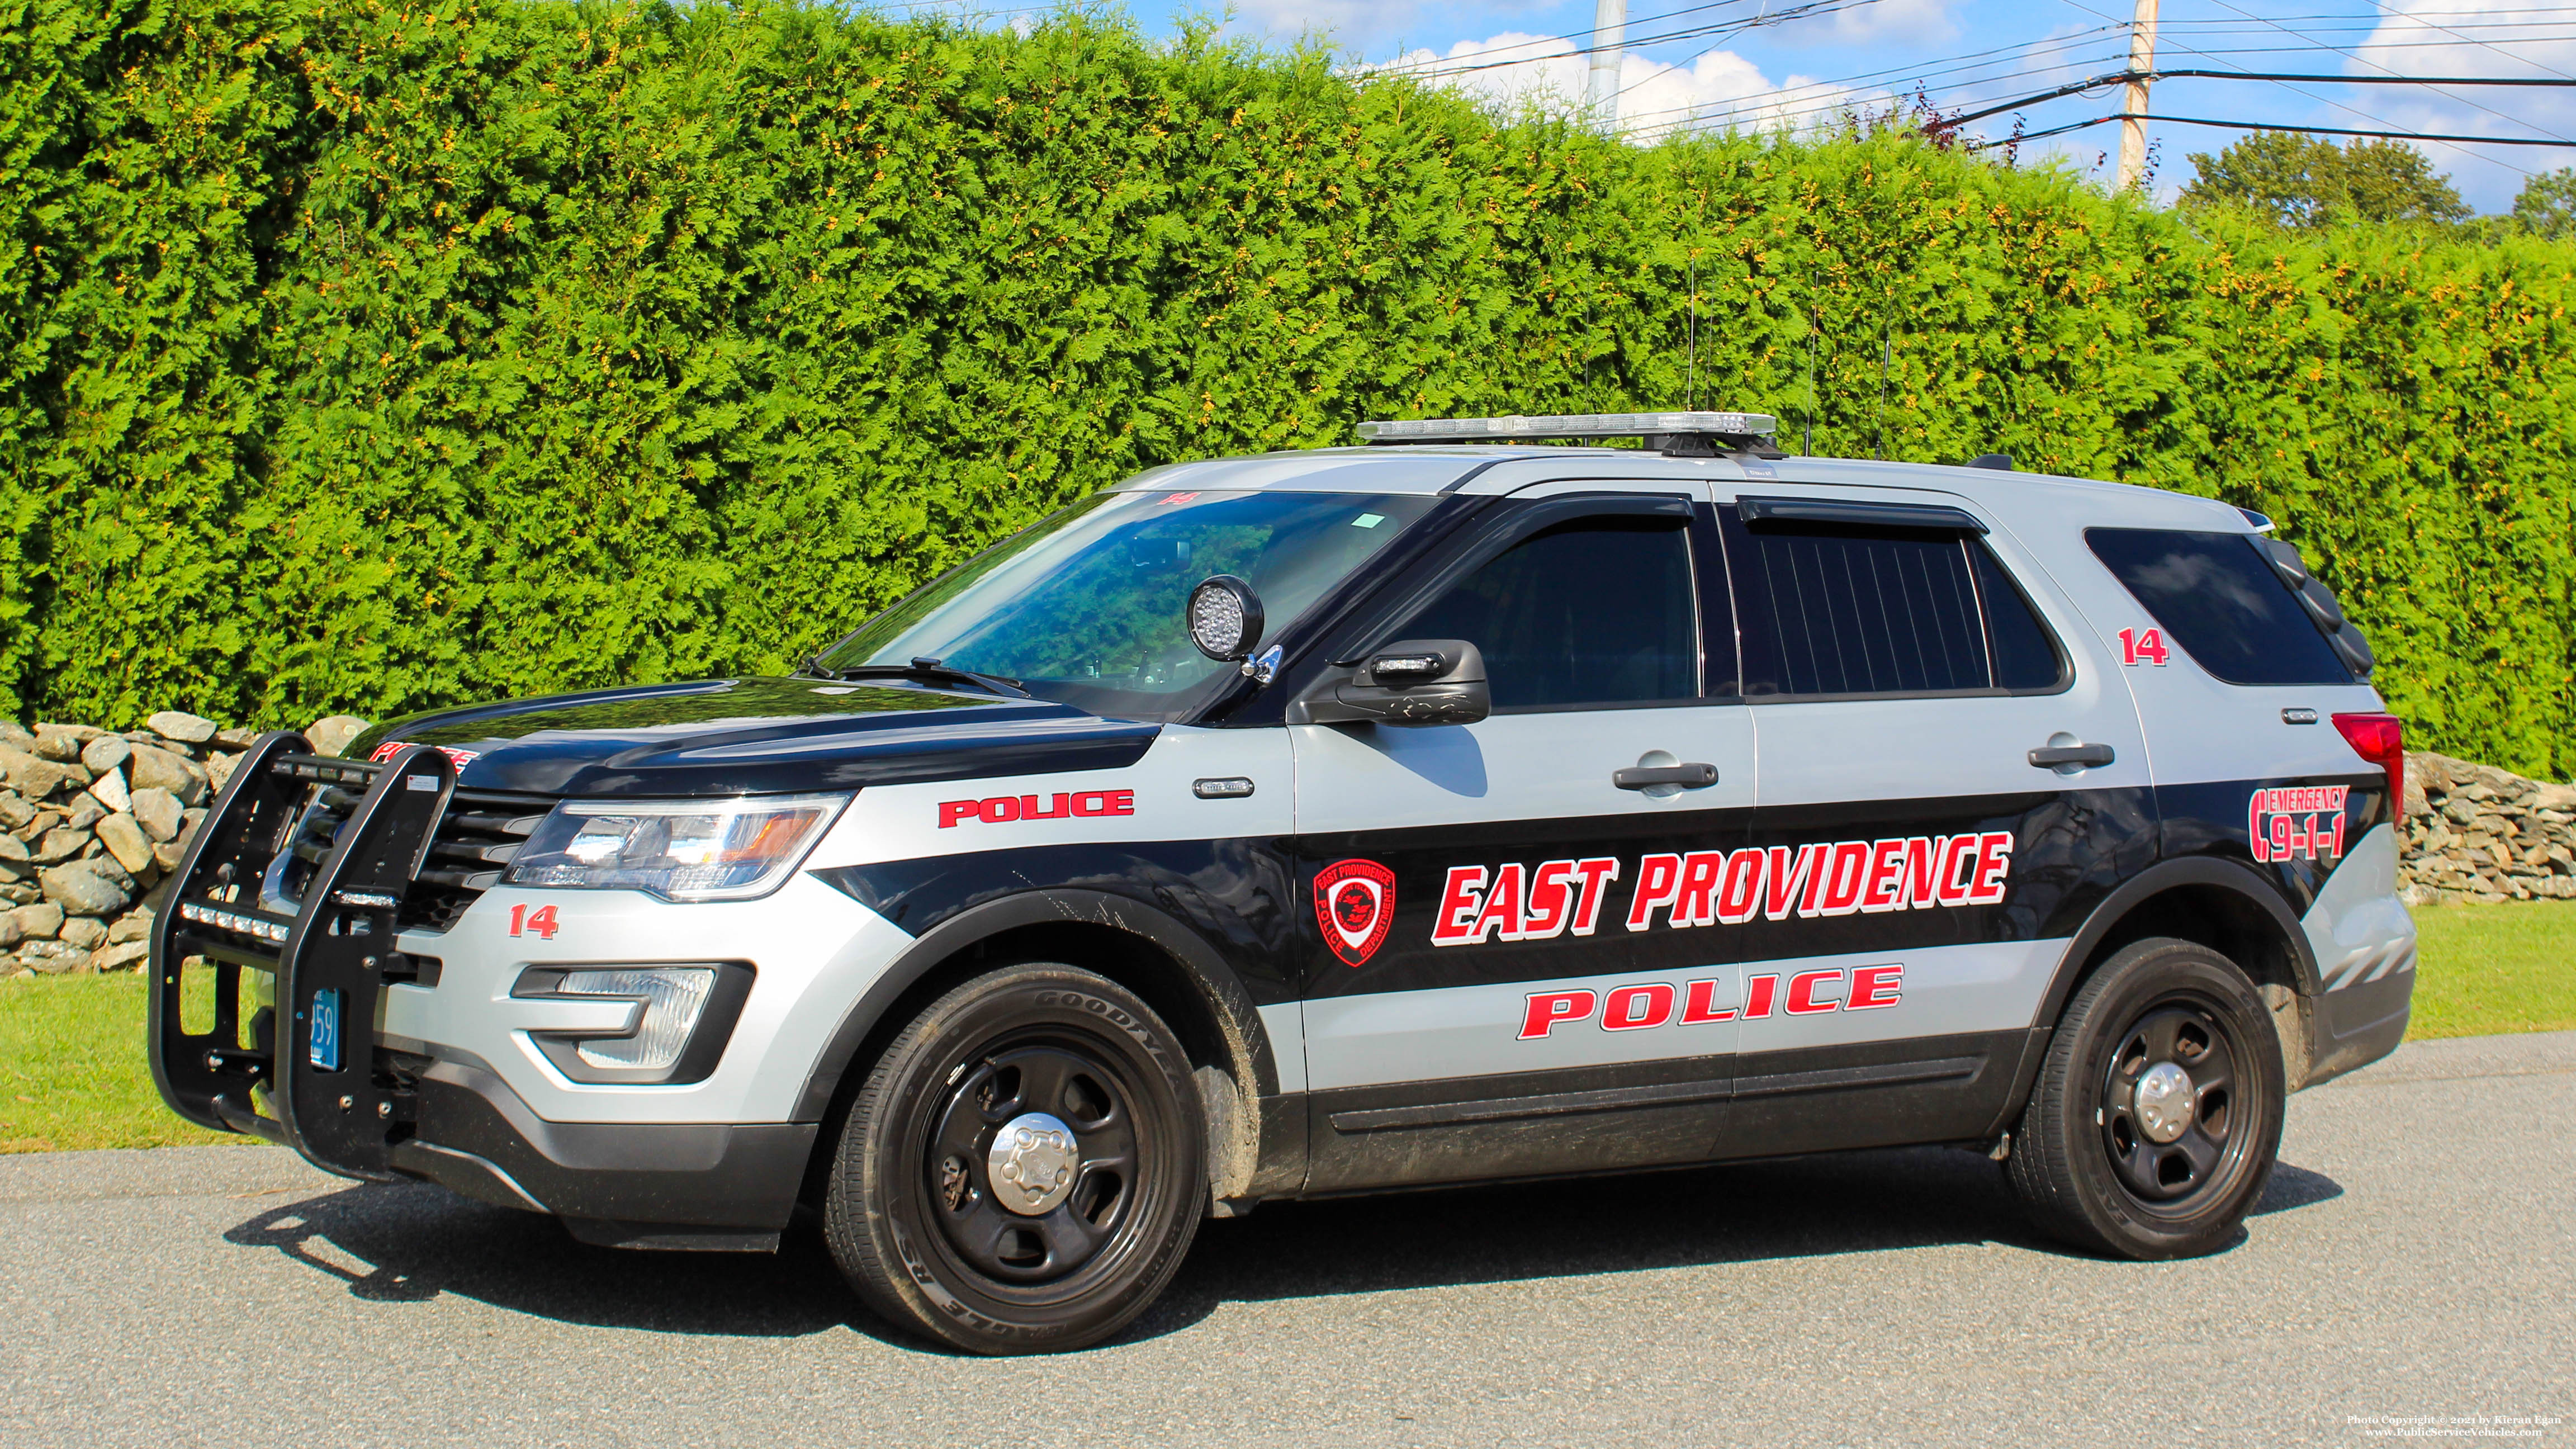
(683, 1016)
(680, 850)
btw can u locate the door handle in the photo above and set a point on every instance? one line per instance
(1689, 777)
(2049, 757)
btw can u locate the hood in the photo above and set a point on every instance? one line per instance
(758, 736)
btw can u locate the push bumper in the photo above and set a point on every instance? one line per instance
(306, 1072)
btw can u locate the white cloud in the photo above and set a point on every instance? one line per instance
(1514, 70)
(2466, 38)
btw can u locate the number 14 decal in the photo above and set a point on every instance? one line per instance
(2139, 648)
(539, 922)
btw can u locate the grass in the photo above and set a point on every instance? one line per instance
(72, 1071)
(2495, 968)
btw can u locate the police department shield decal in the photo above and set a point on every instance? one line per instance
(1355, 902)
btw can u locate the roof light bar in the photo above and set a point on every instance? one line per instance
(1571, 425)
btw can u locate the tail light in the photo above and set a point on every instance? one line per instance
(2380, 739)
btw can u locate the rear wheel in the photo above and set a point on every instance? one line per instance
(1024, 1167)
(2153, 1126)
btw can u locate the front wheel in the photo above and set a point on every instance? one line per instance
(2153, 1126)
(1024, 1167)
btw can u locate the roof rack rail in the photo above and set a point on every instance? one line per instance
(1682, 434)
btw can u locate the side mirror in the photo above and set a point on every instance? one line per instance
(1410, 682)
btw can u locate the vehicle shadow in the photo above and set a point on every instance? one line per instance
(412, 1242)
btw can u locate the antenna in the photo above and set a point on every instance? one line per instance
(1690, 377)
(1886, 355)
(1816, 327)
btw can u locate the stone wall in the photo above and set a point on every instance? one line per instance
(92, 819)
(2477, 833)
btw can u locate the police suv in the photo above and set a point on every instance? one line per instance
(1463, 806)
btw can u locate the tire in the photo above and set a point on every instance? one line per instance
(952, 1213)
(2090, 1162)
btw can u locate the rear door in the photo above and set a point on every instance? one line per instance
(1483, 999)
(1952, 775)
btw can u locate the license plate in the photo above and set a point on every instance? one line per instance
(326, 1029)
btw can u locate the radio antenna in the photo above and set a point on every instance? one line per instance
(1818, 326)
(1690, 375)
(1886, 355)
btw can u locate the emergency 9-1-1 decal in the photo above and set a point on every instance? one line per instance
(1516, 902)
(2297, 823)
(1355, 904)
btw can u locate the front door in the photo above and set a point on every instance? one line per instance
(1506, 981)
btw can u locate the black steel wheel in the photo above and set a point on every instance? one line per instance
(1025, 1166)
(2153, 1127)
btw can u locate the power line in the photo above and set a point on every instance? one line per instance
(1810, 10)
(1933, 70)
(1400, 66)
(2160, 73)
(1953, 64)
(2292, 88)
(2272, 126)
(2348, 55)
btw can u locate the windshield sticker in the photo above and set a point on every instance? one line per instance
(2294, 824)
(1652, 1003)
(1355, 904)
(1514, 902)
(1062, 805)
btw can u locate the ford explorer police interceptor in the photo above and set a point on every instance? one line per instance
(1462, 806)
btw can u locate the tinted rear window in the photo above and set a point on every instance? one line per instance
(1831, 609)
(2216, 596)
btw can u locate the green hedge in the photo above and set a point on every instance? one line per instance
(371, 357)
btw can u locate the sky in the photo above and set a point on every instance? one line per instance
(1756, 63)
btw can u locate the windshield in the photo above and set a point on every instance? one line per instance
(1086, 607)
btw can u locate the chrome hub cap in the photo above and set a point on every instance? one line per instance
(1032, 1163)
(2164, 1102)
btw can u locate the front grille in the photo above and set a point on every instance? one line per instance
(481, 831)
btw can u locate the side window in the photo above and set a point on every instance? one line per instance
(2216, 595)
(2025, 653)
(1597, 611)
(1853, 609)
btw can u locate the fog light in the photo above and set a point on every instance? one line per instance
(674, 998)
(678, 1034)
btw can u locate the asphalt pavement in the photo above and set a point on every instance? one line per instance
(2411, 1274)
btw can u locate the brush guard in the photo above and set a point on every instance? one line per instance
(306, 1071)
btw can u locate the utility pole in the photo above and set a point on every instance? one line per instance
(2142, 60)
(1609, 35)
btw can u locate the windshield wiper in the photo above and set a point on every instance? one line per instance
(925, 669)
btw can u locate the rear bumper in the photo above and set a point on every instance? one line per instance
(625, 1184)
(2358, 1024)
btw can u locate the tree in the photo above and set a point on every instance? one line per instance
(2547, 205)
(2298, 180)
